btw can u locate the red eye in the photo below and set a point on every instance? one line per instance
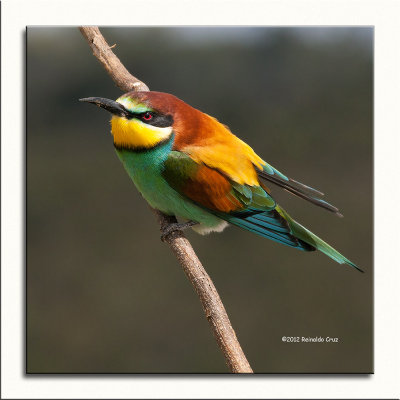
(147, 116)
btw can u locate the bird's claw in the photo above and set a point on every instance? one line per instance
(175, 227)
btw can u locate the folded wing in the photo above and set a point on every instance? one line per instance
(247, 206)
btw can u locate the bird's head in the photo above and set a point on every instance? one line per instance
(141, 120)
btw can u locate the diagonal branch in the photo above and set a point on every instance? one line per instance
(117, 71)
(213, 307)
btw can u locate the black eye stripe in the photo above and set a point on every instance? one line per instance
(158, 120)
(161, 121)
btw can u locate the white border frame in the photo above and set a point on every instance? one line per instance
(384, 15)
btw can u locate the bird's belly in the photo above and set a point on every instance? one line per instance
(145, 173)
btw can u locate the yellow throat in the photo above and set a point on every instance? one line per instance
(133, 133)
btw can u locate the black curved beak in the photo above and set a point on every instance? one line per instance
(110, 105)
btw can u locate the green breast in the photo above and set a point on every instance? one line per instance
(145, 169)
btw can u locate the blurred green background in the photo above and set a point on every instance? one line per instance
(104, 294)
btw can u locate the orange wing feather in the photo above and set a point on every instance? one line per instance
(209, 188)
(213, 144)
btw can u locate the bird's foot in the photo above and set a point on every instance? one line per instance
(176, 227)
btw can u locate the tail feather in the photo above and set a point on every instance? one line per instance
(269, 224)
(297, 188)
(280, 227)
(313, 240)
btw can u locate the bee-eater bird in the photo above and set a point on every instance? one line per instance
(187, 164)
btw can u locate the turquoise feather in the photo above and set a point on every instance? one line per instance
(269, 169)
